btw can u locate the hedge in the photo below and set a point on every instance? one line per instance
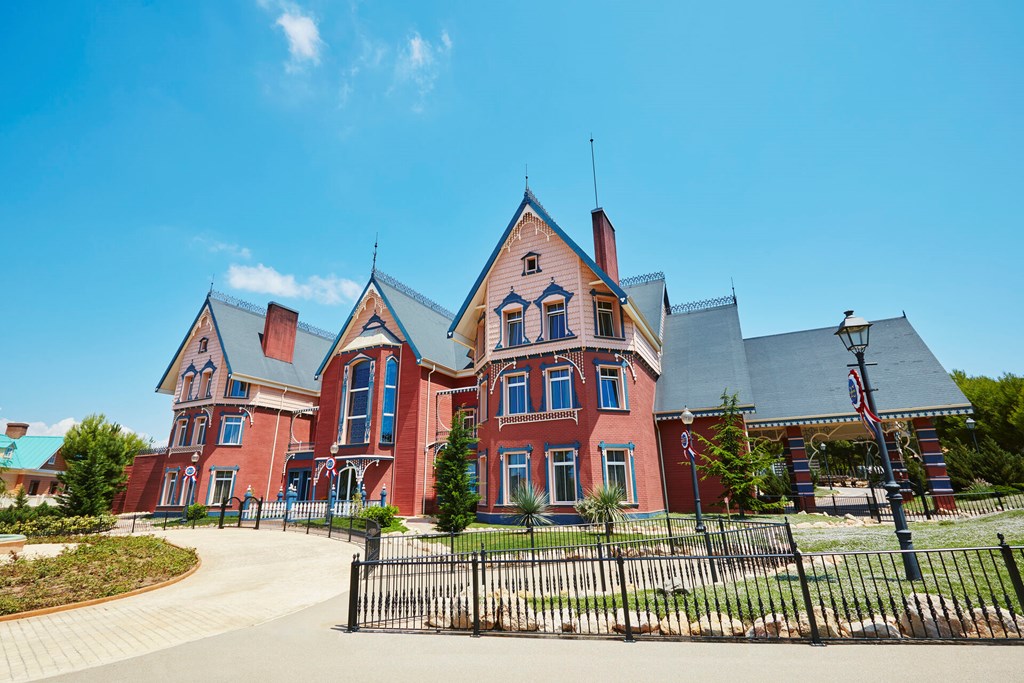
(59, 526)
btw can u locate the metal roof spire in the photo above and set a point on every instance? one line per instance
(373, 267)
(593, 165)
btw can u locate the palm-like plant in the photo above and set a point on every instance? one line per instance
(531, 506)
(602, 505)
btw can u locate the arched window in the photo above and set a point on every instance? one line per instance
(387, 418)
(358, 410)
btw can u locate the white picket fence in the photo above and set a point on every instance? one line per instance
(304, 509)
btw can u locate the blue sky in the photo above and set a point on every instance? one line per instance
(823, 155)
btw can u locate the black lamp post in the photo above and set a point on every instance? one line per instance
(854, 332)
(687, 418)
(824, 457)
(971, 427)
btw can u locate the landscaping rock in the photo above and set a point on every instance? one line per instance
(829, 626)
(875, 628)
(639, 621)
(718, 625)
(675, 585)
(932, 616)
(674, 624)
(517, 618)
(594, 623)
(559, 622)
(996, 622)
(774, 626)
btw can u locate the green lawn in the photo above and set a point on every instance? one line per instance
(518, 538)
(98, 567)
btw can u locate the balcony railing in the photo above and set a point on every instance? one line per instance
(545, 416)
(300, 447)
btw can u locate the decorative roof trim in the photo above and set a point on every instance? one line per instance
(852, 417)
(413, 294)
(635, 280)
(702, 412)
(703, 305)
(261, 311)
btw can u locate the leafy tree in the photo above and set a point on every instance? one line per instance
(998, 412)
(991, 464)
(96, 453)
(455, 497)
(740, 463)
(20, 498)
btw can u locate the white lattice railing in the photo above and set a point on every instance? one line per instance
(306, 509)
(271, 510)
(525, 418)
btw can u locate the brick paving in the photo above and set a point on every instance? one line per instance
(247, 578)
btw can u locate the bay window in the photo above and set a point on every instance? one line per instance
(559, 389)
(616, 470)
(358, 404)
(515, 395)
(231, 430)
(516, 473)
(610, 388)
(563, 475)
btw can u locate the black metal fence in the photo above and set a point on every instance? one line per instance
(965, 594)
(920, 508)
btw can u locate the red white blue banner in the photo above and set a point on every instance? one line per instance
(329, 466)
(190, 472)
(859, 399)
(687, 442)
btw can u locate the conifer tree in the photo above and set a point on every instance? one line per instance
(741, 463)
(96, 453)
(452, 481)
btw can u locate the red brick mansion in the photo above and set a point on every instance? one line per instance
(572, 376)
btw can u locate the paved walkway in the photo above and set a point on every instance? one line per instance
(247, 578)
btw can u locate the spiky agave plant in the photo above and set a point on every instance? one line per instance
(530, 506)
(602, 505)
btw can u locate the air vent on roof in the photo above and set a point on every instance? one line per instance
(641, 279)
(703, 305)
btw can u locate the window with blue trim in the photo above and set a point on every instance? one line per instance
(610, 385)
(203, 344)
(231, 430)
(515, 395)
(358, 404)
(200, 431)
(554, 314)
(616, 470)
(471, 474)
(186, 387)
(223, 482)
(205, 384)
(238, 389)
(605, 318)
(387, 418)
(170, 486)
(514, 328)
(559, 389)
(181, 433)
(516, 473)
(563, 474)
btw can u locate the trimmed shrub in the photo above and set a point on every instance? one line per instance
(196, 511)
(59, 526)
(385, 516)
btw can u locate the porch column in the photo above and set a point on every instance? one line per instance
(934, 462)
(796, 454)
(899, 468)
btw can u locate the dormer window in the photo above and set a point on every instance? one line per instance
(203, 344)
(554, 314)
(531, 263)
(605, 318)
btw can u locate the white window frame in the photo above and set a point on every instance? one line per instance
(200, 427)
(384, 401)
(181, 432)
(169, 487)
(529, 270)
(237, 382)
(606, 306)
(350, 404)
(508, 392)
(625, 464)
(555, 467)
(507, 322)
(619, 387)
(508, 470)
(548, 317)
(469, 419)
(186, 387)
(215, 480)
(205, 384)
(185, 490)
(223, 428)
(550, 383)
(204, 345)
(482, 402)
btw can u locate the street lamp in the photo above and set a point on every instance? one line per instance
(972, 425)
(687, 440)
(824, 457)
(854, 332)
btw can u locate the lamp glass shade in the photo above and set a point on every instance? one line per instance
(334, 449)
(971, 424)
(854, 332)
(687, 417)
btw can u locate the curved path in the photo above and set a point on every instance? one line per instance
(247, 578)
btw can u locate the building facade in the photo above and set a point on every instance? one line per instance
(572, 377)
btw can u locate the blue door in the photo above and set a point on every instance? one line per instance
(300, 480)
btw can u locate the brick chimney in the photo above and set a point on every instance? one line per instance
(604, 244)
(16, 430)
(279, 332)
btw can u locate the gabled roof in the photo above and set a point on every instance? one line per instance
(648, 293)
(423, 323)
(703, 356)
(529, 200)
(28, 452)
(239, 326)
(803, 375)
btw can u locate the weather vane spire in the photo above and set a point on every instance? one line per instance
(527, 177)
(373, 266)
(593, 166)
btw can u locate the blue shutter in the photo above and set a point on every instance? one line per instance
(501, 480)
(625, 388)
(576, 471)
(547, 476)
(632, 471)
(604, 468)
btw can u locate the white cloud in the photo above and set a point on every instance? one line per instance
(304, 42)
(215, 247)
(263, 279)
(419, 63)
(58, 428)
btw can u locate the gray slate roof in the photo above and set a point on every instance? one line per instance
(649, 297)
(424, 323)
(240, 332)
(703, 356)
(802, 374)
